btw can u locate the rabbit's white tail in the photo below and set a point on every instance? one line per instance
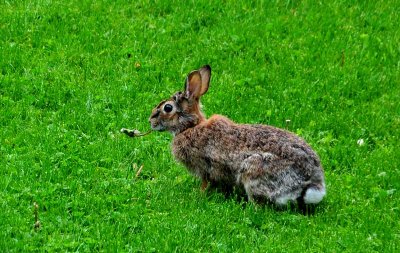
(314, 194)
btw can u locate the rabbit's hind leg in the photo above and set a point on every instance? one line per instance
(252, 177)
(265, 176)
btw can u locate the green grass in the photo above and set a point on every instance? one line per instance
(74, 72)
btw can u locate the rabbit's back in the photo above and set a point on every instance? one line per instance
(219, 144)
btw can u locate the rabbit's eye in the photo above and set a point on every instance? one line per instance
(168, 108)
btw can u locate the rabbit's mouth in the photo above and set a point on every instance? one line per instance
(158, 127)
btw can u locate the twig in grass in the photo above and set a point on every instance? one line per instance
(139, 171)
(36, 212)
(134, 132)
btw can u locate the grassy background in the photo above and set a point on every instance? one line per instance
(74, 72)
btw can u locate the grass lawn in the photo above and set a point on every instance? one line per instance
(72, 73)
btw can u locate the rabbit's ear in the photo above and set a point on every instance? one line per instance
(205, 73)
(197, 82)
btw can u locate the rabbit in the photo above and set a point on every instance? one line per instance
(271, 164)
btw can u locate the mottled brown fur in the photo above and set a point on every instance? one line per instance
(269, 163)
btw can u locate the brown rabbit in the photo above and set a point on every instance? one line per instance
(271, 164)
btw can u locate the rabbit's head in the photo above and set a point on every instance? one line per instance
(182, 110)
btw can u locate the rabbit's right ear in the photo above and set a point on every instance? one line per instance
(197, 82)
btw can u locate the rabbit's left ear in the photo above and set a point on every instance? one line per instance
(197, 82)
